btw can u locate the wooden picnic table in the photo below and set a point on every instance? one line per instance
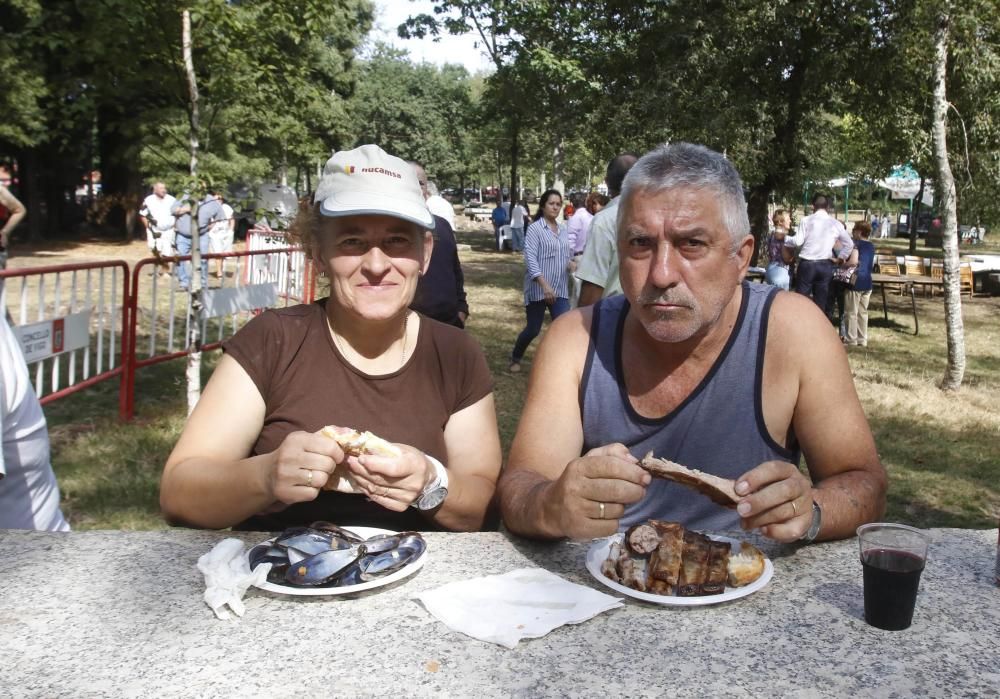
(121, 614)
(907, 282)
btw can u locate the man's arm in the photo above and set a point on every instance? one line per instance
(548, 489)
(599, 253)
(463, 304)
(846, 243)
(813, 392)
(590, 294)
(17, 213)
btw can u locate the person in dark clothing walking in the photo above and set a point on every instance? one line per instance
(441, 290)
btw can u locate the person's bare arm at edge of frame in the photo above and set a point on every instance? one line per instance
(807, 381)
(590, 294)
(549, 490)
(209, 481)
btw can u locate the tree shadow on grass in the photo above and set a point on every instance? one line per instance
(940, 476)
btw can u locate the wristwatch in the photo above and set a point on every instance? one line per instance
(813, 530)
(436, 491)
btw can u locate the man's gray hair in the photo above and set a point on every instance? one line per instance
(689, 165)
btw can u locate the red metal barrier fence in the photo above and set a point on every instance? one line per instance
(252, 281)
(71, 322)
(80, 324)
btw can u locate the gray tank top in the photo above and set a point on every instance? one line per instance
(719, 428)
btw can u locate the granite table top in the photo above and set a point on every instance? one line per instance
(121, 614)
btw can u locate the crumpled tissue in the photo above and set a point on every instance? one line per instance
(524, 603)
(227, 577)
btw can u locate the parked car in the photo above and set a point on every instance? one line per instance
(272, 204)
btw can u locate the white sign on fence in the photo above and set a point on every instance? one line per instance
(54, 336)
(225, 302)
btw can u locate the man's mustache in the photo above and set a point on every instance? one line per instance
(672, 298)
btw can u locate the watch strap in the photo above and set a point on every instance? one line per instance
(817, 521)
(438, 483)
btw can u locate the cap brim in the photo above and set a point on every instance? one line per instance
(366, 204)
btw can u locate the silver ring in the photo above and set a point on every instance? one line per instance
(602, 510)
(309, 479)
(794, 508)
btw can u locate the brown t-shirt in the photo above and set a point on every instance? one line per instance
(306, 384)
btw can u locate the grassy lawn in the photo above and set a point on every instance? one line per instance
(940, 449)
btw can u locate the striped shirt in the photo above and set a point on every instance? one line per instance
(545, 255)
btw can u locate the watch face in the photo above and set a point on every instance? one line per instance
(432, 499)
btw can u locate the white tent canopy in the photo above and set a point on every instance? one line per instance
(904, 183)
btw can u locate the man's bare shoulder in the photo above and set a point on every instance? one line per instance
(564, 345)
(799, 334)
(791, 310)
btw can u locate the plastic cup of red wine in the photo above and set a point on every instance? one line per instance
(892, 557)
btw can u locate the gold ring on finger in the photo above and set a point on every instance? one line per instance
(795, 509)
(309, 478)
(602, 510)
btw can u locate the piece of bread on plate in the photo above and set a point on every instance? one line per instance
(745, 566)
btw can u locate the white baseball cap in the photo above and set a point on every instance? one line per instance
(367, 180)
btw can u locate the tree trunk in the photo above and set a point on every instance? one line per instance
(915, 217)
(757, 212)
(559, 165)
(955, 370)
(120, 178)
(31, 194)
(194, 341)
(515, 155)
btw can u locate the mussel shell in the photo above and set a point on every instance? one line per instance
(388, 562)
(334, 529)
(322, 568)
(265, 553)
(381, 543)
(311, 541)
(351, 575)
(413, 543)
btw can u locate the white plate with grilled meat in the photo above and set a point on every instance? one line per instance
(601, 548)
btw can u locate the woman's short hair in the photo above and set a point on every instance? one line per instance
(688, 165)
(595, 198)
(305, 227)
(778, 215)
(864, 228)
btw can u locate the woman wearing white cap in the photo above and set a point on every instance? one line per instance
(251, 454)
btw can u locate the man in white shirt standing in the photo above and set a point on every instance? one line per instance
(29, 495)
(598, 267)
(518, 218)
(222, 233)
(440, 206)
(158, 220)
(815, 240)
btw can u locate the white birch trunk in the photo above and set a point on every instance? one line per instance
(955, 370)
(193, 371)
(559, 166)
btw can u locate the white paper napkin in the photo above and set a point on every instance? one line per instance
(524, 603)
(227, 577)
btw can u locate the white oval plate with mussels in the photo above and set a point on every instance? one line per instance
(601, 548)
(364, 533)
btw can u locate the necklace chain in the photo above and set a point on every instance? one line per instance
(336, 338)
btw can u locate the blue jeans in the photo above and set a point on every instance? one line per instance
(535, 311)
(777, 275)
(517, 238)
(814, 277)
(183, 244)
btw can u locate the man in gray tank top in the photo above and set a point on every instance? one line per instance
(697, 366)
